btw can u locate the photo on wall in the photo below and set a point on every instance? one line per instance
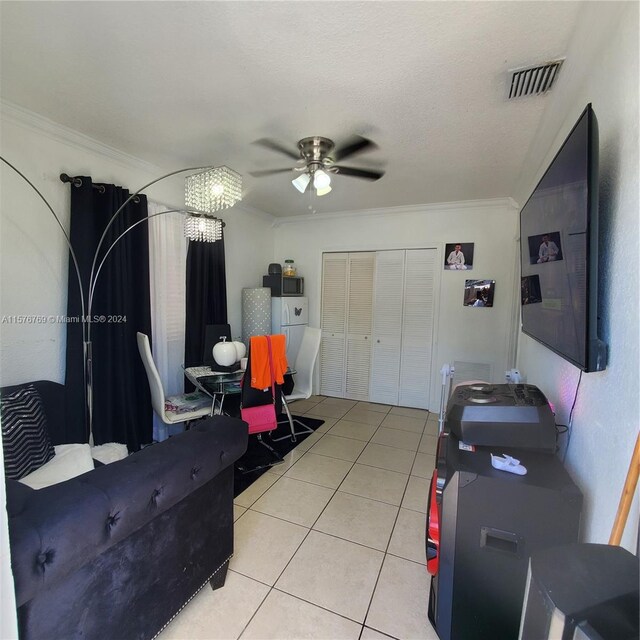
(458, 256)
(530, 291)
(545, 247)
(479, 293)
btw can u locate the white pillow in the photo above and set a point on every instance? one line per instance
(71, 460)
(109, 452)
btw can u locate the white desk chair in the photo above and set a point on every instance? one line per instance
(305, 362)
(200, 410)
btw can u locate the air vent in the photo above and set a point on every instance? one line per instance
(534, 81)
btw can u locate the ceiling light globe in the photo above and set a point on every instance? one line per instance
(321, 179)
(301, 182)
(323, 191)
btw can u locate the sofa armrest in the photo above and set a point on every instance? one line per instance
(54, 531)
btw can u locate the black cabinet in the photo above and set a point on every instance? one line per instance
(490, 522)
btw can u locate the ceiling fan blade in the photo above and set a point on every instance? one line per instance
(357, 144)
(277, 147)
(366, 174)
(268, 172)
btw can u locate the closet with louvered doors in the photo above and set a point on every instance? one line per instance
(333, 322)
(345, 351)
(377, 326)
(387, 327)
(359, 319)
(418, 313)
(403, 311)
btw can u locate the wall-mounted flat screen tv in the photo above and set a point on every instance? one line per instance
(559, 252)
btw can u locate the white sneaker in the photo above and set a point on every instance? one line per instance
(507, 463)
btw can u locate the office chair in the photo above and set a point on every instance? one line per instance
(302, 390)
(202, 408)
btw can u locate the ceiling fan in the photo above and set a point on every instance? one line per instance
(316, 157)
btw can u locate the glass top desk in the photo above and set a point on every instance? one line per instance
(218, 385)
(214, 384)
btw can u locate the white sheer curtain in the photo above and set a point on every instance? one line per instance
(167, 272)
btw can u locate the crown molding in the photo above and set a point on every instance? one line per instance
(24, 117)
(60, 133)
(465, 205)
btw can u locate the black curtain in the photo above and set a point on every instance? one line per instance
(121, 306)
(206, 297)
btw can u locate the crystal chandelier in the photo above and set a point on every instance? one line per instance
(214, 189)
(202, 228)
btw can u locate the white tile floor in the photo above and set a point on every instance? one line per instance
(330, 545)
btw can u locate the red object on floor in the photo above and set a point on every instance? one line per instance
(433, 528)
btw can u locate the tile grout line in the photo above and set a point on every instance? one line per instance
(335, 491)
(306, 535)
(314, 604)
(386, 552)
(383, 555)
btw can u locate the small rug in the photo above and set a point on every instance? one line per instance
(257, 454)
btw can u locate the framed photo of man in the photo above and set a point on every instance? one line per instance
(458, 256)
(545, 247)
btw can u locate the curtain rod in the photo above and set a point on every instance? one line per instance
(77, 182)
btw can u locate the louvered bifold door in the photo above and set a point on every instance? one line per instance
(384, 383)
(417, 327)
(359, 320)
(333, 324)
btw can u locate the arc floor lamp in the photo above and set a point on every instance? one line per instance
(207, 191)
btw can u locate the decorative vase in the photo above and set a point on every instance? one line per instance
(241, 349)
(224, 353)
(256, 312)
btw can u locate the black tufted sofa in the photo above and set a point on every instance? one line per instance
(117, 552)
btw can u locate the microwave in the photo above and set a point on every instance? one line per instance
(284, 285)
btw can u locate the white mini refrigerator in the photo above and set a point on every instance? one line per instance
(290, 316)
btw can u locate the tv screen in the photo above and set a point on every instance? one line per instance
(559, 252)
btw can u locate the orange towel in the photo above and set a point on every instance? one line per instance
(260, 370)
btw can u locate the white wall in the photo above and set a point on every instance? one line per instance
(34, 257)
(248, 244)
(33, 262)
(462, 333)
(602, 68)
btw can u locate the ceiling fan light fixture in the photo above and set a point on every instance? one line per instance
(323, 191)
(301, 182)
(321, 180)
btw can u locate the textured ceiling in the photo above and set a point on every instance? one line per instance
(190, 83)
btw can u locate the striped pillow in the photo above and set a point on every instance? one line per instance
(25, 440)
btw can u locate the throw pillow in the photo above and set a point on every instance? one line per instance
(71, 460)
(25, 440)
(109, 452)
